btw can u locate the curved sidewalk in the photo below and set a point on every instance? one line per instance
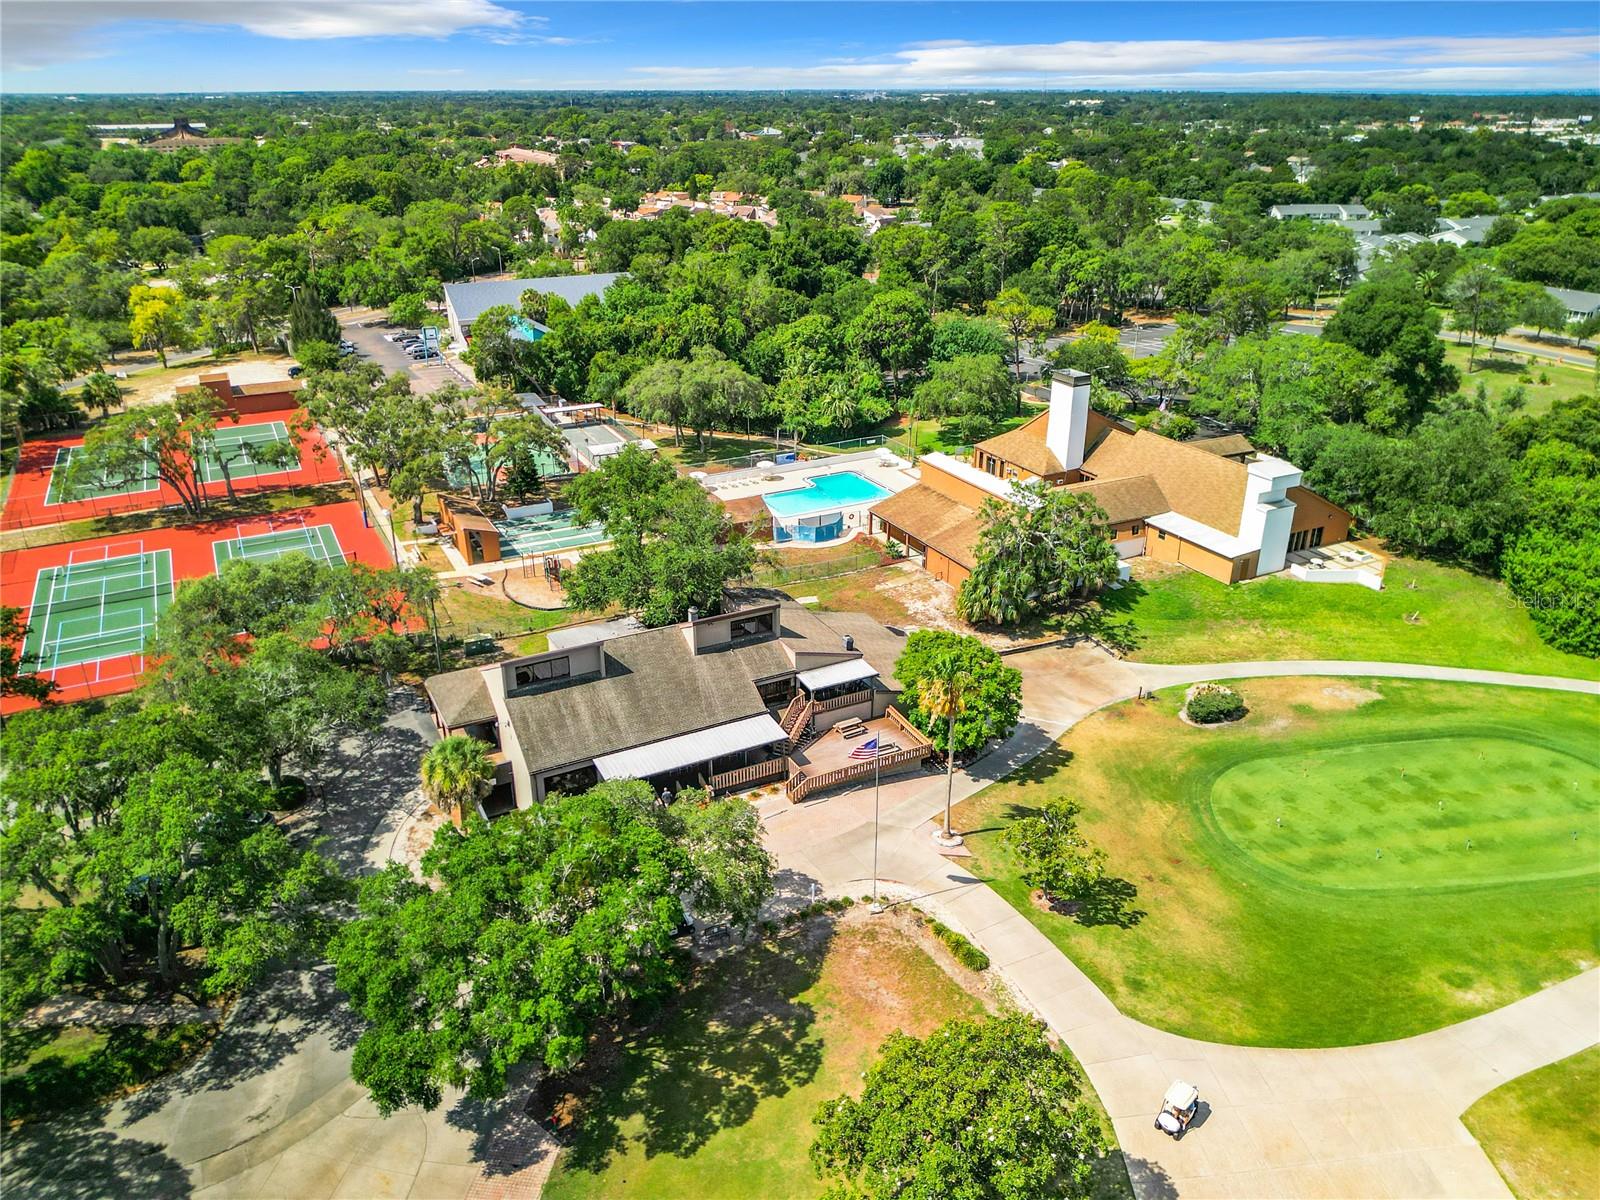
(1378, 1120)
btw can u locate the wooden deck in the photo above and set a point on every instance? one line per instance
(827, 762)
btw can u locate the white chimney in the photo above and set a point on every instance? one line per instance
(1268, 512)
(1069, 417)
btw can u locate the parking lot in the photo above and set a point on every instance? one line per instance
(367, 335)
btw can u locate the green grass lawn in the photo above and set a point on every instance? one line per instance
(57, 1070)
(1221, 924)
(1503, 369)
(1462, 620)
(1540, 1132)
(716, 1099)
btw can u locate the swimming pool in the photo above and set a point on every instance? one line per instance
(824, 493)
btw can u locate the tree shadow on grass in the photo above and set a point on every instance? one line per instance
(1110, 901)
(737, 1037)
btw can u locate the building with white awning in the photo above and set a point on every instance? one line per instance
(720, 701)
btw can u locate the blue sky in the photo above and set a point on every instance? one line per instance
(286, 45)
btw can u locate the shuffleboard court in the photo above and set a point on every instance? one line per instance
(314, 541)
(97, 488)
(546, 534)
(237, 450)
(100, 605)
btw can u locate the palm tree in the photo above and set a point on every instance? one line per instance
(455, 772)
(101, 391)
(944, 693)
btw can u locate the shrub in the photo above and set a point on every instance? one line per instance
(1212, 704)
(966, 953)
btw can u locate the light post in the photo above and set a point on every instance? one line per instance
(877, 755)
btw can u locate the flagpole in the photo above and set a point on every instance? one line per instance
(877, 755)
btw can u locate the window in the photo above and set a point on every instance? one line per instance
(777, 691)
(1161, 535)
(753, 626)
(1136, 530)
(1316, 536)
(529, 674)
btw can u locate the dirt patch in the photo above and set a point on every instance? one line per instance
(1348, 695)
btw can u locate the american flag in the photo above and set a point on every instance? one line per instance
(867, 749)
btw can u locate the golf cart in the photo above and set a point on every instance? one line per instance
(1178, 1107)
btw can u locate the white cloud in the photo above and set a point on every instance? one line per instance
(1555, 60)
(41, 33)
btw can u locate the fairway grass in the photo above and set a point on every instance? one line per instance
(714, 1102)
(1539, 1130)
(1427, 613)
(1222, 924)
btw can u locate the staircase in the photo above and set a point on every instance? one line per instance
(796, 724)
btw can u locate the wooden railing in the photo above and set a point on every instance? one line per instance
(797, 732)
(797, 787)
(797, 703)
(844, 701)
(743, 777)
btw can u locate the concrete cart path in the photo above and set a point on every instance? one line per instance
(1378, 1120)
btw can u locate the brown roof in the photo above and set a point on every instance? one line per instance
(460, 697)
(935, 520)
(655, 687)
(1024, 447)
(271, 385)
(1130, 499)
(1228, 445)
(1198, 484)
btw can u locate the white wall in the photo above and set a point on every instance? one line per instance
(1268, 512)
(1068, 426)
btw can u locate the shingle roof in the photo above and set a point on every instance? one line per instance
(1130, 499)
(468, 300)
(460, 697)
(1228, 445)
(1198, 484)
(655, 687)
(1024, 446)
(936, 520)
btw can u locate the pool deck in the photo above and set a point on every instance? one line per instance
(888, 471)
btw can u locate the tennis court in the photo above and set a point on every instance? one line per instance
(546, 534)
(96, 487)
(101, 604)
(237, 449)
(314, 541)
(462, 475)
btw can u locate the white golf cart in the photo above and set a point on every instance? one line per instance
(1178, 1107)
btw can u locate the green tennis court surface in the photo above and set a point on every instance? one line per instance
(542, 535)
(314, 541)
(95, 487)
(463, 475)
(239, 449)
(96, 608)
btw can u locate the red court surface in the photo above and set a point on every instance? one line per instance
(26, 504)
(193, 556)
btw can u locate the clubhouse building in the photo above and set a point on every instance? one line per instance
(1215, 505)
(767, 693)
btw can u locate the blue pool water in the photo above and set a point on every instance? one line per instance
(842, 489)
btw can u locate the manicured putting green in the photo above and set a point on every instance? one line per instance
(1429, 812)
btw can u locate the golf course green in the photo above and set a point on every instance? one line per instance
(1356, 860)
(1455, 811)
